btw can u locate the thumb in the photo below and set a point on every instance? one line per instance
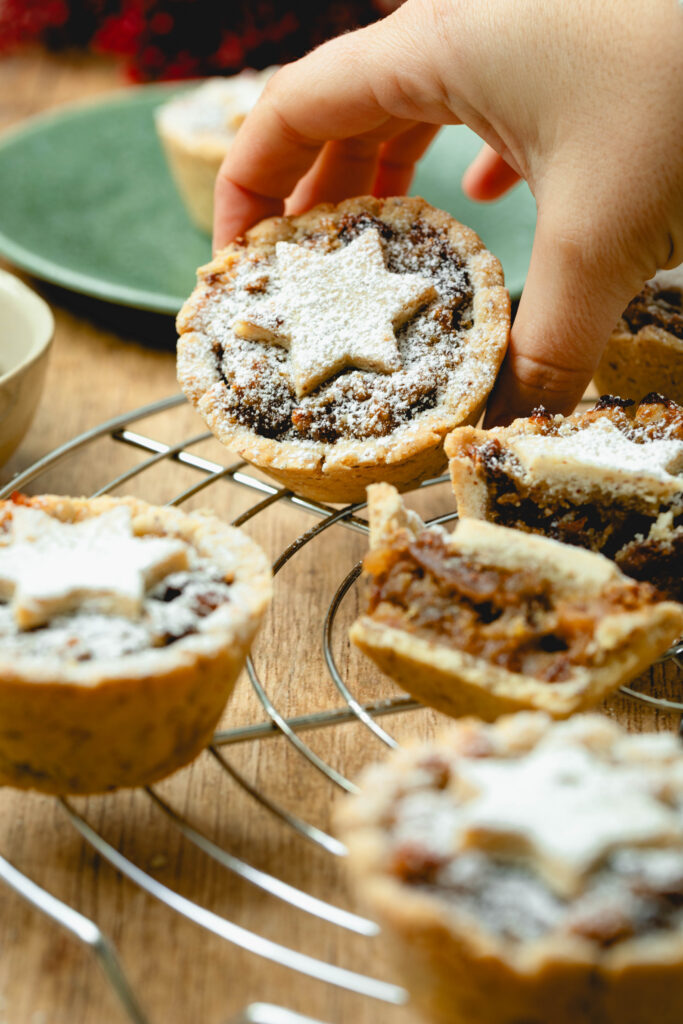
(579, 282)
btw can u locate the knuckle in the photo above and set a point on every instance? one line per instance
(550, 375)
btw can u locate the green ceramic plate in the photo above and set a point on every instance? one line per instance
(86, 202)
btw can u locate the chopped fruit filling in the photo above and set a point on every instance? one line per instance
(173, 609)
(609, 479)
(352, 403)
(662, 307)
(510, 618)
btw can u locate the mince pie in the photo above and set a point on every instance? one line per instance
(337, 348)
(196, 130)
(488, 620)
(609, 479)
(123, 628)
(645, 350)
(528, 872)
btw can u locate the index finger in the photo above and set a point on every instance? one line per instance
(344, 88)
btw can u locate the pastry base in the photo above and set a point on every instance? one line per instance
(458, 683)
(91, 726)
(633, 365)
(61, 738)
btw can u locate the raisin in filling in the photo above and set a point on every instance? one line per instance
(510, 618)
(662, 307)
(356, 404)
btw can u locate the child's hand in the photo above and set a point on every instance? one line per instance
(584, 100)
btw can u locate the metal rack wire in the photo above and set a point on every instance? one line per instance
(274, 723)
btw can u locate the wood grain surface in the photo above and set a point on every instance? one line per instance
(106, 361)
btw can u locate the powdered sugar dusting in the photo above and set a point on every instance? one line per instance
(180, 605)
(50, 567)
(334, 310)
(669, 278)
(578, 830)
(355, 404)
(600, 445)
(567, 806)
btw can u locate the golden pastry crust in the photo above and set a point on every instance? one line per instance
(194, 173)
(629, 627)
(105, 723)
(340, 470)
(645, 350)
(608, 478)
(457, 969)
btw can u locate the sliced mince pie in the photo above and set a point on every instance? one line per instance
(645, 350)
(488, 620)
(528, 871)
(609, 479)
(123, 628)
(337, 348)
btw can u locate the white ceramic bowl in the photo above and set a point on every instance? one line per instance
(26, 330)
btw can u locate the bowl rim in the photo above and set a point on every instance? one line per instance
(13, 286)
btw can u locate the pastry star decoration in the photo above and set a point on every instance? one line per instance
(604, 446)
(337, 309)
(563, 809)
(51, 567)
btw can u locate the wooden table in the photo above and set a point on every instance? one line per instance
(104, 362)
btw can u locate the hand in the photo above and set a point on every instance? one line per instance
(583, 100)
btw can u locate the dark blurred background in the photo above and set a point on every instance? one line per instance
(175, 39)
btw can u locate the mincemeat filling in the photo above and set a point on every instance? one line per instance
(661, 307)
(512, 619)
(358, 404)
(601, 526)
(615, 525)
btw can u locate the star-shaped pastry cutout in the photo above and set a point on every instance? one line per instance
(50, 567)
(603, 447)
(336, 309)
(563, 808)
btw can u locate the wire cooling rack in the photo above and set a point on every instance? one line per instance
(351, 709)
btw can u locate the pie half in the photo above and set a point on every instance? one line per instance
(609, 479)
(488, 620)
(123, 628)
(337, 348)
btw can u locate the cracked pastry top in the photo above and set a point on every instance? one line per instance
(645, 350)
(609, 479)
(488, 620)
(338, 348)
(122, 630)
(528, 869)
